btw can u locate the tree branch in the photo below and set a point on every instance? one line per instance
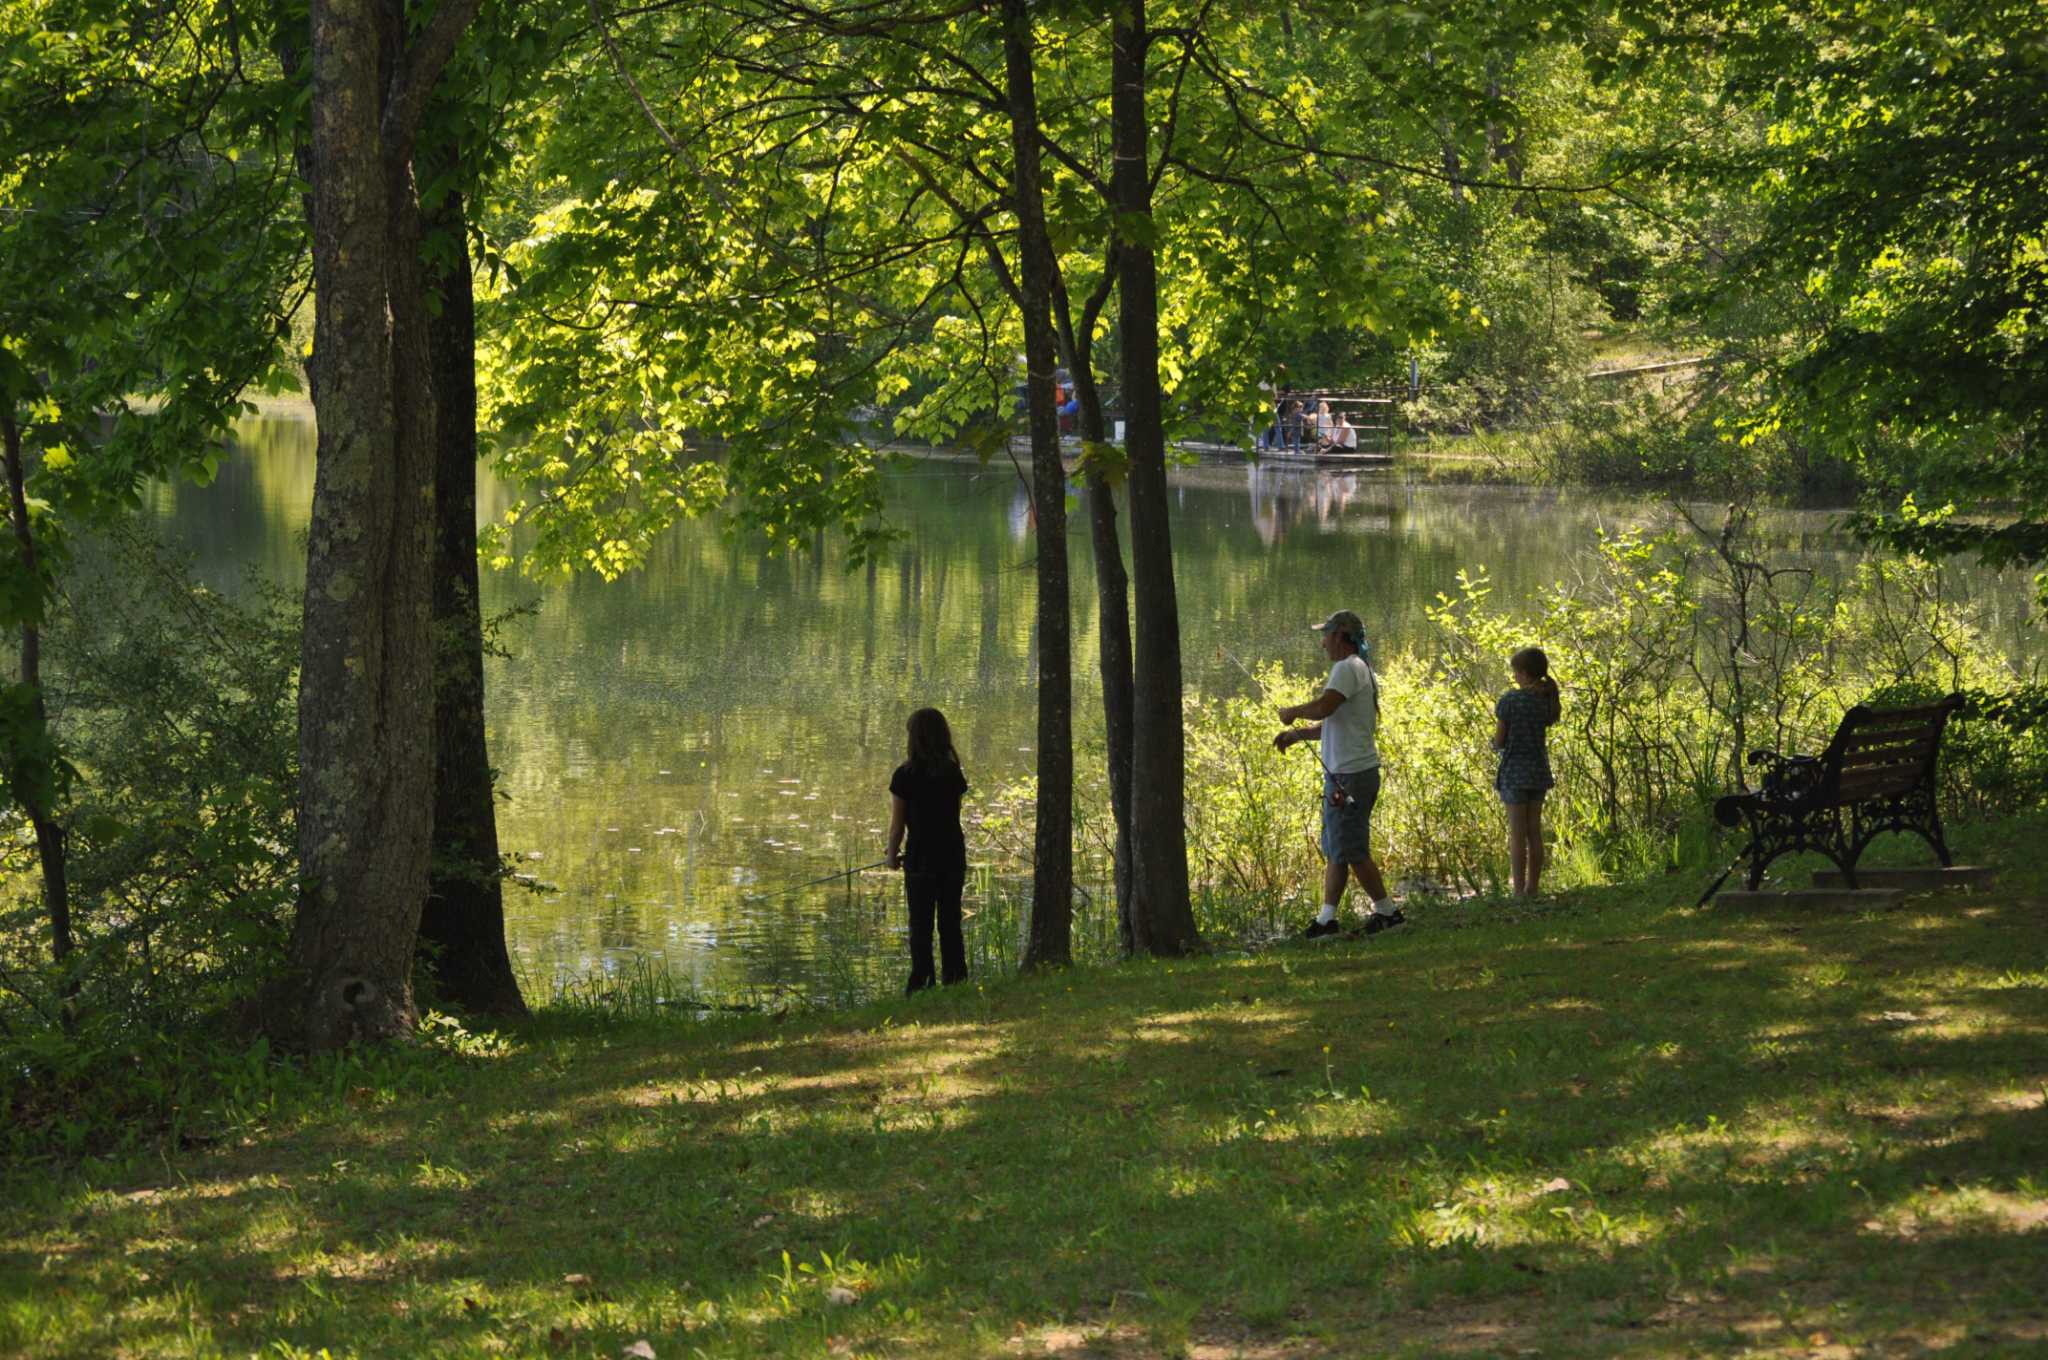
(420, 70)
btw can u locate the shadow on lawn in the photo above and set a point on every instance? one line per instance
(1734, 1128)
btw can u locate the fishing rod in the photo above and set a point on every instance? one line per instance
(843, 873)
(1225, 651)
(1715, 886)
(1266, 694)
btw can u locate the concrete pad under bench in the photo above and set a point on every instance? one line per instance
(1911, 880)
(1815, 899)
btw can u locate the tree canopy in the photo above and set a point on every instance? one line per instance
(727, 257)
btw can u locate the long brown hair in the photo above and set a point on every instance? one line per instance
(931, 741)
(1532, 662)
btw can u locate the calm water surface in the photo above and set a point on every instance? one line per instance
(680, 747)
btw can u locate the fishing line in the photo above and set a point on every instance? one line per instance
(1225, 651)
(785, 892)
(1337, 795)
(1265, 694)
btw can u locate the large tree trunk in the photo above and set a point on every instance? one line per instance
(462, 930)
(1049, 941)
(1112, 583)
(31, 765)
(1113, 652)
(1162, 920)
(366, 756)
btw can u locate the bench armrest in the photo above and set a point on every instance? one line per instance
(1730, 809)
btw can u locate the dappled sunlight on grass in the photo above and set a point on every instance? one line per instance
(1637, 1131)
(1930, 923)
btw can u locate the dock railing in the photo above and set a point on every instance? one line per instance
(1371, 411)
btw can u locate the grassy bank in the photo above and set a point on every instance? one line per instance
(1607, 1126)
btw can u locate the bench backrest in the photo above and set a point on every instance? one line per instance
(1884, 752)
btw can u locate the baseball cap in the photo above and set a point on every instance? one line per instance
(1344, 621)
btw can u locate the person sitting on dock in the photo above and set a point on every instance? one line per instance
(1342, 436)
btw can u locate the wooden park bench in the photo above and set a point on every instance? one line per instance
(1876, 775)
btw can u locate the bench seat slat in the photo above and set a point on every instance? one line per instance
(1909, 774)
(1863, 741)
(1890, 758)
(1917, 713)
(1866, 740)
(1881, 766)
(1864, 789)
(1914, 762)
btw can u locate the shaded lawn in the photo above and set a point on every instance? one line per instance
(1617, 1127)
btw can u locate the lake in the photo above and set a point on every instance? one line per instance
(680, 748)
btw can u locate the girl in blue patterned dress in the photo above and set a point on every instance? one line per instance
(1520, 719)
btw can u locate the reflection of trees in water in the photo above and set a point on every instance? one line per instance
(254, 512)
(618, 925)
(867, 663)
(847, 940)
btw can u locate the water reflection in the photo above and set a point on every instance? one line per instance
(1284, 497)
(677, 746)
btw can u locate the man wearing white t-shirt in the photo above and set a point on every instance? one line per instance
(1345, 722)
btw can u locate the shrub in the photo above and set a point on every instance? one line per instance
(177, 705)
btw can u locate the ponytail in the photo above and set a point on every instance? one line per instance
(1532, 662)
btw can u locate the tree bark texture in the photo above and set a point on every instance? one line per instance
(1112, 582)
(1113, 652)
(462, 929)
(31, 772)
(1162, 918)
(366, 756)
(1049, 939)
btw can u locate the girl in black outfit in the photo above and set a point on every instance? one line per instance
(924, 798)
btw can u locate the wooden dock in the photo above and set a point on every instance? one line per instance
(1308, 459)
(1369, 410)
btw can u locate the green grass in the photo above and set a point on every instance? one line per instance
(1509, 457)
(1610, 1126)
(1630, 346)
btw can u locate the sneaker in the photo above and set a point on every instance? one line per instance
(1322, 930)
(1377, 921)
